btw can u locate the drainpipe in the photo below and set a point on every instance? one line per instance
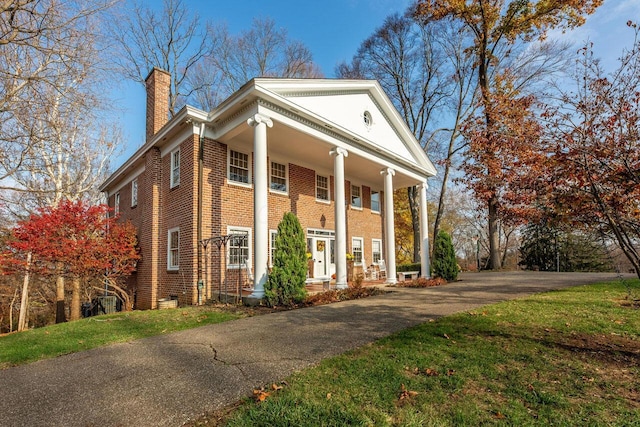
(199, 218)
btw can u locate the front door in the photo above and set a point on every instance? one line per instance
(322, 262)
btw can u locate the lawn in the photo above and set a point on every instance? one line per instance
(564, 358)
(64, 338)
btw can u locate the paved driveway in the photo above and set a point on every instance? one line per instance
(170, 379)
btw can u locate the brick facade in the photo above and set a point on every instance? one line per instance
(165, 206)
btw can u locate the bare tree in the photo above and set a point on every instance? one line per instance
(409, 65)
(55, 137)
(38, 41)
(262, 51)
(171, 39)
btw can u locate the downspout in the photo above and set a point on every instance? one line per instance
(199, 286)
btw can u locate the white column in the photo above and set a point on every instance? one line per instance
(260, 204)
(424, 232)
(389, 230)
(340, 213)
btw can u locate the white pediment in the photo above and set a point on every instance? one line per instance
(344, 104)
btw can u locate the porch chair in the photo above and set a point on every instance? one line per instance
(382, 269)
(247, 269)
(369, 271)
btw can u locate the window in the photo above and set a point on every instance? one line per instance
(376, 250)
(238, 167)
(134, 192)
(356, 196)
(375, 201)
(116, 204)
(175, 168)
(366, 118)
(272, 245)
(239, 250)
(356, 249)
(278, 180)
(322, 188)
(173, 252)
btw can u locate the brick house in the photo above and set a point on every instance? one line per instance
(330, 151)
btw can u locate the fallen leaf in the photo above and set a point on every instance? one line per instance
(276, 387)
(328, 396)
(446, 336)
(450, 372)
(431, 372)
(499, 416)
(530, 387)
(260, 395)
(406, 394)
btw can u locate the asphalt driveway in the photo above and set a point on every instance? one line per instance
(171, 379)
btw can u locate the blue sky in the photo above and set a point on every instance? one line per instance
(334, 29)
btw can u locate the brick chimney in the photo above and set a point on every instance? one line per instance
(158, 84)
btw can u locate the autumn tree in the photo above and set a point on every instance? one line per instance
(78, 241)
(496, 25)
(593, 135)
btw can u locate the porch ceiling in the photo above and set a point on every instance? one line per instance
(301, 148)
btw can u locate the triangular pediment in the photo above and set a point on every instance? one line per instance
(359, 107)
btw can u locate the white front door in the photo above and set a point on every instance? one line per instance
(321, 260)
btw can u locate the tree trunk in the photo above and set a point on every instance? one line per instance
(414, 207)
(23, 320)
(75, 299)
(60, 315)
(494, 236)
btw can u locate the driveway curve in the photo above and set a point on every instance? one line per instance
(171, 379)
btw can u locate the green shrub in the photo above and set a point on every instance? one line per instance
(444, 262)
(286, 282)
(411, 266)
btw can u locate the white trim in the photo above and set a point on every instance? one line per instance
(170, 266)
(361, 240)
(286, 177)
(272, 233)
(249, 260)
(116, 204)
(134, 201)
(328, 178)
(128, 178)
(173, 182)
(249, 168)
(359, 187)
(379, 242)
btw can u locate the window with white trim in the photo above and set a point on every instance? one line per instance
(175, 168)
(238, 167)
(356, 250)
(375, 201)
(322, 188)
(238, 247)
(173, 249)
(278, 177)
(376, 250)
(356, 196)
(116, 204)
(134, 192)
(272, 245)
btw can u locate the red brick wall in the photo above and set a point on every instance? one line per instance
(161, 208)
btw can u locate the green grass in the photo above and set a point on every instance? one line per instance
(71, 337)
(564, 358)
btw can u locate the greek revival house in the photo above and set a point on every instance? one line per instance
(330, 151)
